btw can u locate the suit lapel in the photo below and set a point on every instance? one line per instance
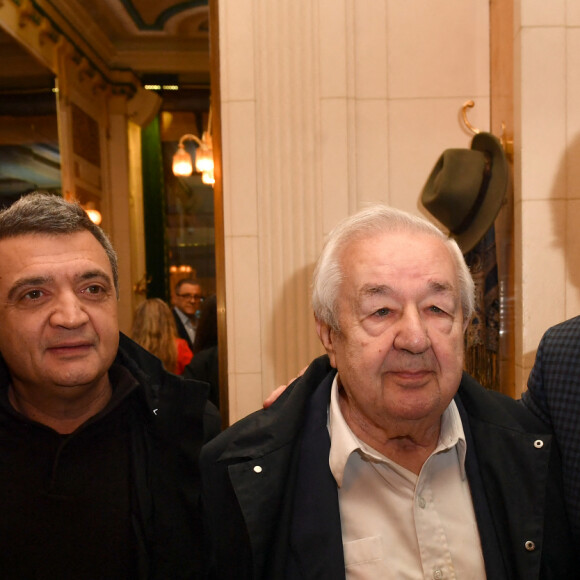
(492, 554)
(265, 471)
(316, 535)
(507, 470)
(293, 481)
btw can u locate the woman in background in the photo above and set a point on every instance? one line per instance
(154, 329)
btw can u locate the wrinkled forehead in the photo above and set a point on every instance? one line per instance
(399, 254)
(51, 252)
(397, 242)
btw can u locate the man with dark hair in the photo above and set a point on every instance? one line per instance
(384, 459)
(98, 444)
(187, 301)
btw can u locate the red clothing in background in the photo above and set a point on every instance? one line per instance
(184, 355)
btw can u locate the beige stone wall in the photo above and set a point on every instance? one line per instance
(327, 105)
(547, 174)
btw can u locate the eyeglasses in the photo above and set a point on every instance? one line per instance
(191, 297)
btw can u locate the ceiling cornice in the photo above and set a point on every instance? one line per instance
(164, 16)
(142, 48)
(70, 18)
(29, 16)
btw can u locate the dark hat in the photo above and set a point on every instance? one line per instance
(466, 189)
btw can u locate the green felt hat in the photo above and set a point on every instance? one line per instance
(466, 189)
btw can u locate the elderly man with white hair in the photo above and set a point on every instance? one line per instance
(386, 460)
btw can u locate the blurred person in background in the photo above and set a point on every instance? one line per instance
(205, 363)
(187, 300)
(154, 329)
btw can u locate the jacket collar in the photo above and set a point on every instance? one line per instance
(267, 430)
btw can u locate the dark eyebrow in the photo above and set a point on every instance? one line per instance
(95, 274)
(23, 282)
(44, 280)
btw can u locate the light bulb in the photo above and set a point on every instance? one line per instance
(203, 160)
(95, 216)
(182, 163)
(207, 177)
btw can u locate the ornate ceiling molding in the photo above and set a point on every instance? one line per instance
(155, 16)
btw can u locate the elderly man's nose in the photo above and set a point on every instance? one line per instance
(411, 333)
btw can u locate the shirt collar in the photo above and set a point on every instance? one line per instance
(183, 317)
(343, 442)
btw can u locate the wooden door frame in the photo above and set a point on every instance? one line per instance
(219, 210)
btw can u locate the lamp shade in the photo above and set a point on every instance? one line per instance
(207, 177)
(203, 160)
(182, 163)
(204, 154)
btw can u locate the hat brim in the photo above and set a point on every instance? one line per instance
(494, 196)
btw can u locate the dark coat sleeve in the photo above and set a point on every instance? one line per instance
(554, 395)
(534, 398)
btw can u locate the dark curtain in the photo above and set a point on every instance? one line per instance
(154, 209)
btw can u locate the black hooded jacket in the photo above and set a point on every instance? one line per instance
(157, 428)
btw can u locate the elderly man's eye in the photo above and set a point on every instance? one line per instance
(382, 312)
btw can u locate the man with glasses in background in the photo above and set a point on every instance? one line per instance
(186, 306)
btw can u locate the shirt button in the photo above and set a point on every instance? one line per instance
(422, 503)
(530, 546)
(538, 443)
(257, 469)
(437, 574)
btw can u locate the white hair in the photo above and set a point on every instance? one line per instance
(372, 220)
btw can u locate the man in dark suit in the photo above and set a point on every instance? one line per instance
(384, 459)
(187, 301)
(554, 395)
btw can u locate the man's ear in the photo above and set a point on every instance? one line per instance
(466, 324)
(327, 336)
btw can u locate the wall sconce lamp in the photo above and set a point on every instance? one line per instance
(182, 162)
